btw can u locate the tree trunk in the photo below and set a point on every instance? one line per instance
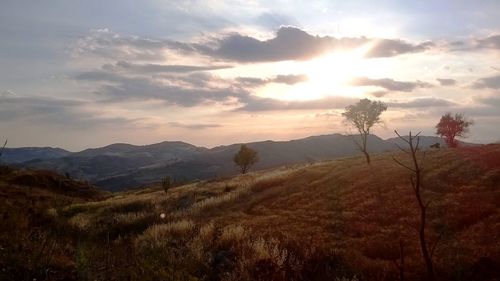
(367, 156)
(401, 261)
(423, 245)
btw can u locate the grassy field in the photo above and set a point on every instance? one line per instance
(335, 220)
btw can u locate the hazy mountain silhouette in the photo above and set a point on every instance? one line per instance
(120, 166)
(23, 154)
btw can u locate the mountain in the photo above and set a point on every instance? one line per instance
(121, 166)
(98, 165)
(23, 154)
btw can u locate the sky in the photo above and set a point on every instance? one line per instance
(80, 74)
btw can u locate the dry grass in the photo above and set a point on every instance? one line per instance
(334, 220)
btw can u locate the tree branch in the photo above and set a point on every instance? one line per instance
(403, 165)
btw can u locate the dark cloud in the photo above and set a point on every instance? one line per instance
(251, 82)
(390, 84)
(422, 103)
(493, 101)
(255, 104)
(492, 82)
(290, 79)
(391, 48)
(159, 68)
(193, 126)
(446, 82)
(104, 43)
(187, 90)
(379, 94)
(291, 43)
(491, 42)
(98, 75)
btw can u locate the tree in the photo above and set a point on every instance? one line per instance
(363, 116)
(3, 147)
(416, 183)
(245, 158)
(166, 183)
(450, 127)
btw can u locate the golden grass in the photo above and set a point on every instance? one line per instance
(342, 213)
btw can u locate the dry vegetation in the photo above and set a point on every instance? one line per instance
(336, 220)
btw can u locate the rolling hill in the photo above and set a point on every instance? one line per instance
(121, 166)
(328, 220)
(23, 154)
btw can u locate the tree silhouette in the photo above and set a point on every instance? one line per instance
(245, 158)
(450, 127)
(416, 183)
(166, 183)
(363, 116)
(3, 147)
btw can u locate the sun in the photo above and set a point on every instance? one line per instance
(329, 75)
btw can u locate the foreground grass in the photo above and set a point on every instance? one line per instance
(335, 220)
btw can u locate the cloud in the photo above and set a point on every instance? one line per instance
(492, 82)
(274, 20)
(422, 103)
(7, 93)
(160, 68)
(493, 101)
(446, 82)
(391, 47)
(55, 112)
(379, 94)
(193, 126)
(290, 79)
(390, 84)
(292, 43)
(256, 104)
(184, 90)
(105, 43)
(289, 43)
(491, 42)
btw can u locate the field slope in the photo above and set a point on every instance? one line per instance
(334, 220)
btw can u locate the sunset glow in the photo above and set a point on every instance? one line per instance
(203, 72)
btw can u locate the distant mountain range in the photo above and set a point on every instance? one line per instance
(121, 166)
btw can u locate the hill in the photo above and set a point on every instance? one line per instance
(23, 154)
(121, 166)
(330, 220)
(26, 230)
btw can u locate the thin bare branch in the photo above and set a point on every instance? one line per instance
(401, 137)
(400, 148)
(401, 164)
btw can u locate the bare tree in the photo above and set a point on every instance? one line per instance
(416, 183)
(450, 127)
(245, 158)
(363, 116)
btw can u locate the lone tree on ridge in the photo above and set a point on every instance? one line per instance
(363, 116)
(450, 127)
(245, 158)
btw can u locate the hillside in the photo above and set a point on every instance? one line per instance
(331, 220)
(23, 154)
(120, 166)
